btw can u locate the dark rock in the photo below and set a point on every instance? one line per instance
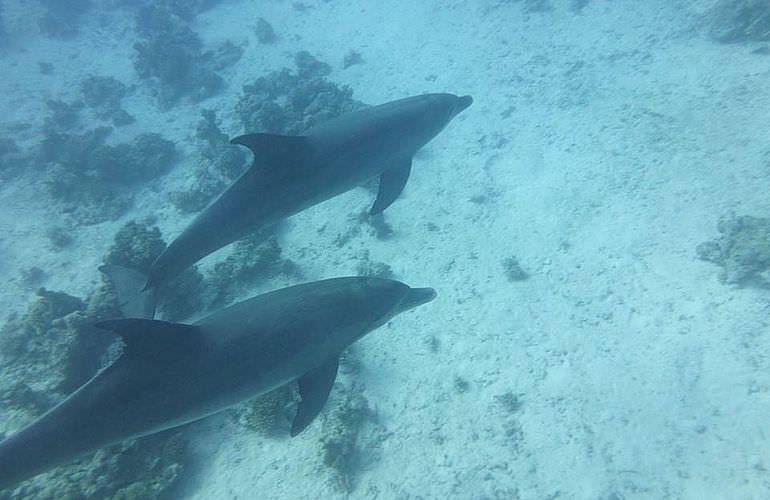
(136, 246)
(144, 159)
(63, 115)
(256, 257)
(742, 250)
(221, 163)
(103, 94)
(171, 54)
(90, 177)
(513, 270)
(286, 102)
(351, 58)
(61, 19)
(736, 21)
(264, 31)
(46, 68)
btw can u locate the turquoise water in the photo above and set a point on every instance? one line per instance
(595, 226)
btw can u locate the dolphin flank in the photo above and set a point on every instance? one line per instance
(292, 173)
(171, 373)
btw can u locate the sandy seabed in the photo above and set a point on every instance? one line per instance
(601, 148)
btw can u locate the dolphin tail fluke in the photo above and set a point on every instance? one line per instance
(314, 388)
(392, 182)
(134, 300)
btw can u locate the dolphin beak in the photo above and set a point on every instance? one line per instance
(462, 103)
(417, 297)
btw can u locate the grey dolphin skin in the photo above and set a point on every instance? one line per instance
(171, 373)
(292, 173)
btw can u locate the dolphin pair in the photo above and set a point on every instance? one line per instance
(292, 173)
(171, 373)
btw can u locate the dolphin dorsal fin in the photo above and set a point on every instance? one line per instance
(274, 149)
(146, 336)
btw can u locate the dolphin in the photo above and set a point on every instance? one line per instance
(127, 284)
(170, 374)
(292, 173)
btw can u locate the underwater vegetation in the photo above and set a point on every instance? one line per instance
(342, 443)
(290, 102)
(103, 95)
(45, 335)
(145, 158)
(51, 350)
(579, 5)
(513, 270)
(736, 21)
(345, 448)
(270, 414)
(90, 178)
(185, 9)
(536, 6)
(742, 250)
(171, 56)
(12, 159)
(364, 223)
(374, 268)
(61, 18)
(264, 31)
(352, 57)
(282, 102)
(63, 115)
(3, 33)
(59, 237)
(219, 164)
(255, 258)
(142, 469)
(136, 246)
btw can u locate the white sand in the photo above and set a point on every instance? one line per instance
(630, 133)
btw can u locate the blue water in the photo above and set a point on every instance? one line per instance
(595, 224)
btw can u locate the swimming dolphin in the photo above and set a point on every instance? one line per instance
(172, 373)
(292, 173)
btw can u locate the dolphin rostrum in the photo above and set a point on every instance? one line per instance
(292, 173)
(172, 373)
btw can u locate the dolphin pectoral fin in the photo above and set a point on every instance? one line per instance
(392, 182)
(284, 151)
(128, 283)
(314, 388)
(149, 336)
